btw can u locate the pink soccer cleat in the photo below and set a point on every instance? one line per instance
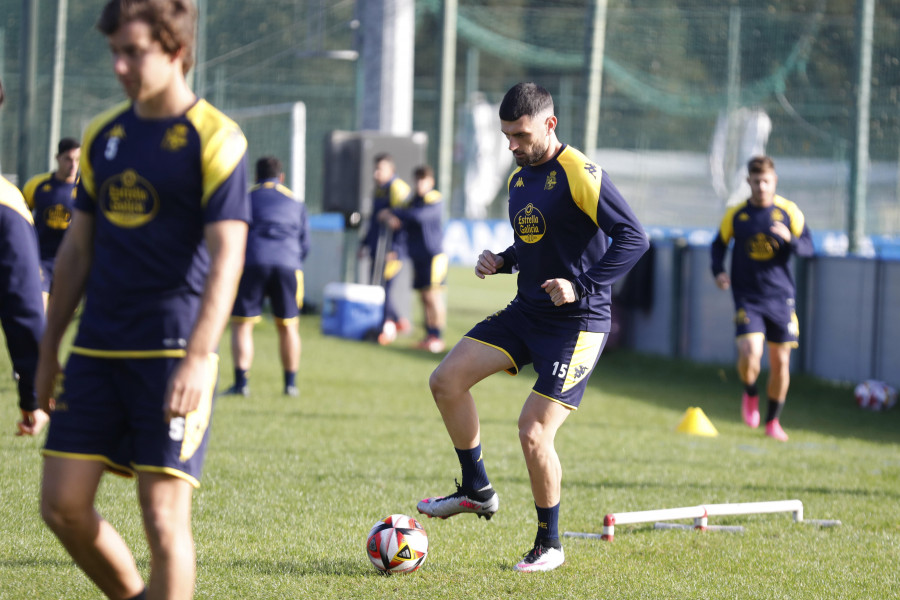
(774, 430)
(750, 410)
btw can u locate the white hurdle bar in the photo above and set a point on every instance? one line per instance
(699, 514)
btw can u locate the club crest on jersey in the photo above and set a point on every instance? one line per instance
(128, 200)
(761, 247)
(46, 187)
(57, 217)
(529, 224)
(551, 181)
(175, 138)
(113, 138)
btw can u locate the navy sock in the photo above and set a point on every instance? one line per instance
(474, 477)
(433, 331)
(290, 378)
(774, 411)
(548, 526)
(240, 378)
(141, 596)
(751, 390)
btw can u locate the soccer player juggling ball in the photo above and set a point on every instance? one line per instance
(767, 231)
(563, 209)
(156, 246)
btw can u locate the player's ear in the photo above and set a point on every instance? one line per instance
(551, 123)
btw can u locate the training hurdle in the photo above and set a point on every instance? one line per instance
(700, 514)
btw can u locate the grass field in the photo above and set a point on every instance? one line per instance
(292, 486)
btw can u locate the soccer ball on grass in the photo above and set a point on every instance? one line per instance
(397, 544)
(875, 395)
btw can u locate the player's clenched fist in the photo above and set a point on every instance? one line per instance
(488, 263)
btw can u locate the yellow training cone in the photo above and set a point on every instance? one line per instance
(695, 422)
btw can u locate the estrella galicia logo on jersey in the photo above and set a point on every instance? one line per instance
(529, 224)
(551, 181)
(519, 183)
(761, 247)
(57, 217)
(591, 169)
(175, 138)
(113, 138)
(128, 200)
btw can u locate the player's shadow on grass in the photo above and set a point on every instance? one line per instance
(335, 567)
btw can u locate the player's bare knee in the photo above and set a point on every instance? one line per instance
(443, 384)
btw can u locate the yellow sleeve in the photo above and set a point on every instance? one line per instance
(222, 143)
(584, 180)
(31, 187)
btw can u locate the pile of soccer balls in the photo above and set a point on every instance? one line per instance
(875, 395)
(397, 544)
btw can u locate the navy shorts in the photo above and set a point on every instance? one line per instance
(111, 410)
(283, 286)
(429, 271)
(47, 274)
(563, 358)
(775, 317)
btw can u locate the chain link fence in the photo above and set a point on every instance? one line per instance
(688, 89)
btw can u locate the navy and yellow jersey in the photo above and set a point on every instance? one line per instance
(394, 194)
(279, 233)
(760, 260)
(21, 303)
(51, 201)
(152, 186)
(563, 214)
(422, 222)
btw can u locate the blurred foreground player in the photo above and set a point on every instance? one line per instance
(21, 307)
(767, 231)
(156, 245)
(51, 197)
(563, 209)
(277, 244)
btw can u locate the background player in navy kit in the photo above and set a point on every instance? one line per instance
(21, 308)
(156, 245)
(277, 244)
(50, 197)
(390, 192)
(767, 230)
(563, 210)
(421, 219)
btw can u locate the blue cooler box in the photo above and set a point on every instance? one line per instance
(350, 310)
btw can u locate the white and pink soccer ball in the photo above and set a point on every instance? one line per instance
(875, 395)
(397, 544)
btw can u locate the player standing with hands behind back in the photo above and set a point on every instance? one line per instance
(563, 210)
(156, 245)
(767, 230)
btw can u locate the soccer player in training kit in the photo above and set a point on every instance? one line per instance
(50, 196)
(21, 307)
(767, 231)
(277, 244)
(422, 221)
(156, 245)
(564, 209)
(386, 248)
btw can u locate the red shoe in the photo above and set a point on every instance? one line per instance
(388, 333)
(403, 325)
(750, 410)
(432, 344)
(774, 430)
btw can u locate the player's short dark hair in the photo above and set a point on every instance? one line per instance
(268, 167)
(171, 22)
(383, 157)
(525, 99)
(423, 171)
(760, 164)
(67, 144)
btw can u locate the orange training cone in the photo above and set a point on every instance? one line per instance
(695, 422)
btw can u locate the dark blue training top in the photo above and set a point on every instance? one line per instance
(279, 234)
